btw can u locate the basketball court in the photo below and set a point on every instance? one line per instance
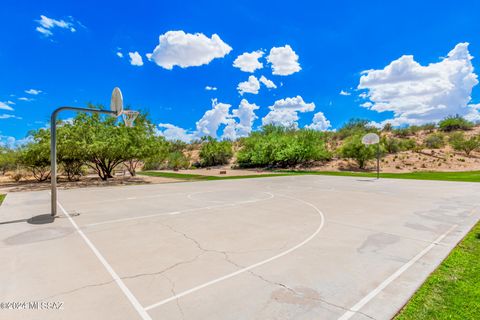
(299, 247)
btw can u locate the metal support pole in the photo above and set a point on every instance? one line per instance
(378, 160)
(53, 149)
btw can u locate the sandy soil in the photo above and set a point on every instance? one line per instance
(7, 185)
(426, 160)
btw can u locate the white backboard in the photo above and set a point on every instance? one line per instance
(370, 138)
(116, 103)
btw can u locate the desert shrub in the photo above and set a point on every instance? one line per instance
(414, 129)
(407, 144)
(459, 142)
(391, 145)
(435, 141)
(429, 127)
(159, 154)
(35, 156)
(353, 148)
(402, 132)
(215, 152)
(387, 127)
(8, 159)
(177, 160)
(353, 127)
(282, 147)
(452, 123)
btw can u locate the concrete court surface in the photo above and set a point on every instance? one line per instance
(299, 247)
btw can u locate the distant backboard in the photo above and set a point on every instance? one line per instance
(370, 138)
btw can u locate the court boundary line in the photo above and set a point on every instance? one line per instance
(133, 300)
(271, 196)
(372, 294)
(255, 265)
(135, 198)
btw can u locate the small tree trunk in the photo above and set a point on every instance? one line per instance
(132, 167)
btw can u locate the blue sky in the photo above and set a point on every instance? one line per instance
(71, 57)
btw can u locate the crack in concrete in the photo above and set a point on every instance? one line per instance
(229, 260)
(76, 289)
(298, 294)
(172, 290)
(204, 250)
(293, 291)
(126, 277)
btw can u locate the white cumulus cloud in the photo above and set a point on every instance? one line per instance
(46, 25)
(210, 88)
(344, 93)
(252, 85)
(284, 112)
(237, 123)
(119, 54)
(172, 133)
(33, 91)
(5, 106)
(319, 122)
(268, 83)
(419, 94)
(285, 117)
(12, 142)
(135, 59)
(248, 61)
(177, 48)
(284, 60)
(246, 117)
(212, 119)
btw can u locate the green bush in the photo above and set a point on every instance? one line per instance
(213, 152)
(387, 127)
(35, 156)
(407, 144)
(429, 127)
(281, 147)
(402, 132)
(8, 159)
(453, 123)
(353, 148)
(391, 145)
(177, 160)
(459, 142)
(355, 126)
(435, 141)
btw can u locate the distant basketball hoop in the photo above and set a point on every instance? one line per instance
(373, 138)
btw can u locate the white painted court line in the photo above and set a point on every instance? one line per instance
(141, 311)
(258, 264)
(131, 198)
(179, 211)
(360, 304)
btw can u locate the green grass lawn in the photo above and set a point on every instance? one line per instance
(197, 177)
(466, 176)
(453, 290)
(2, 196)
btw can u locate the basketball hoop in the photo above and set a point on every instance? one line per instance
(129, 117)
(116, 109)
(371, 139)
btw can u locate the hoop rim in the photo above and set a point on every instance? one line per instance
(129, 117)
